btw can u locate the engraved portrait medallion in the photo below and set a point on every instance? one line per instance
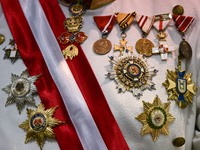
(102, 46)
(144, 46)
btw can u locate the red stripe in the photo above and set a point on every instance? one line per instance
(144, 21)
(161, 24)
(32, 57)
(87, 83)
(140, 19)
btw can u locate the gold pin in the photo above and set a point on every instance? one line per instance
(179, 141)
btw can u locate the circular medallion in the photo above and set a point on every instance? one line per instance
(38, 122)
(20, 87)
(179, 141)
(185, 49)
(157, 118)
(133, 70)
(2, 39)
(178, 10)
(102, 46)
(144, 46)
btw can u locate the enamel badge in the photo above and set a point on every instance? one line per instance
(40, 123)
(132, 74)
(11, 51)
(155, 118)
(21, 90)
(180, 87)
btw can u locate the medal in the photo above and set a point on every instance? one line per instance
(178, 10)
(73, 25)
(132, 74)
(124, 20)
(2, 38)
(21, 90)
(161, 22)
(144, 46)
(155, 118)
(11, 51)
(39, 124)
(179, 83)
(105, 24)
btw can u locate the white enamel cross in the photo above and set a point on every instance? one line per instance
(163, 49)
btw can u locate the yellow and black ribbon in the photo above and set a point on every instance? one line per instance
(124, 20)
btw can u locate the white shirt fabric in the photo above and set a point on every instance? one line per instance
(124, 106)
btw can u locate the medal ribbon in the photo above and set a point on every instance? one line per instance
(66, 134)
(105, 23)
(161, 21)
(182, 22)
(124, 20)
(145, 22)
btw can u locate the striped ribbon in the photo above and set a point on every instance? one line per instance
(89, 121)
(182, 22)
(145, 22)
(124, 20)
(161, 21)
(105, 23)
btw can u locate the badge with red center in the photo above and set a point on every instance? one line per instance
(40, 123)
(73, 25)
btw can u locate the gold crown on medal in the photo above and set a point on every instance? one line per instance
(73, 24)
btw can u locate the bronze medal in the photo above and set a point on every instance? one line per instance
(185, 49)
(144, 46)
(179, 141)
(178, 10)
(102, 46)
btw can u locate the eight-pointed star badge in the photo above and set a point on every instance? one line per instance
(155, 118)
(40, 123)
(21, 90)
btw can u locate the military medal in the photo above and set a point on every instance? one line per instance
(155, 118)
(161, 22)
(124, 20)
(2, 38)
(21, 90)
(39, 124)
(105, 24)
(132, 74)
(178, 10)
(11, 51)
(144, 46)
(179, 83)
(73, 25)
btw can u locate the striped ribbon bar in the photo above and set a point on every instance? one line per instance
(124, 20)
(182, 22)
(105, 23)
(90, 125)
(145, 22)
(161, 21)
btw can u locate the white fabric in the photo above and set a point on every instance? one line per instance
(60, 72)
(124, 105)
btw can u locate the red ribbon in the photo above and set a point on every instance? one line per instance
(182, 22)
(80, 68)
(105, 23)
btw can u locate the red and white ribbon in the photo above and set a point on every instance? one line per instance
(162, 21)
(105, 23)
(182, 22)
(145, 22)
(35, 28)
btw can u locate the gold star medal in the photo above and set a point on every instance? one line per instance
(155, 118)
(21, 90)
(39, 124)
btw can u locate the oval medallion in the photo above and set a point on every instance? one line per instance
(185, 49)
(38, 122)
(20, 87)
(2, 38)
(144, 46)
(102, 46)
(179, 141)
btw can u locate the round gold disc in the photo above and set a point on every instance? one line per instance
(179, 141)
(102, 46)
(2, 39)
(144, 46)
(178, 10)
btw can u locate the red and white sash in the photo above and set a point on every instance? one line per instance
(70, 84)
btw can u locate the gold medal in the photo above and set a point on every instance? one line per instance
(2, 38)
(144, 46)
(21, 90)
(179, 141)
(40, 123)
(155, 118)
(178, 10)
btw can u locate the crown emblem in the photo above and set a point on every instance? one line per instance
(73, 24)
